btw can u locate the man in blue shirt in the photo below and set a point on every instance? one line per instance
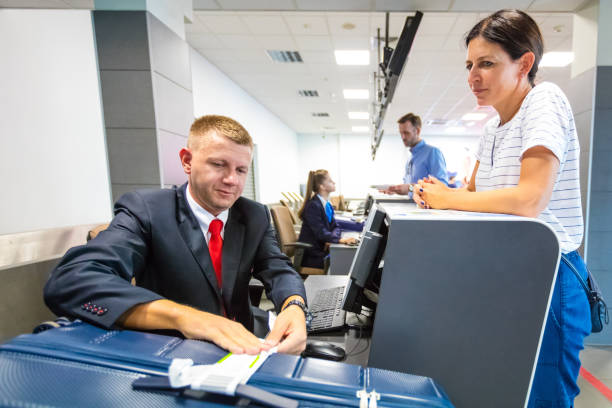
(426, 160)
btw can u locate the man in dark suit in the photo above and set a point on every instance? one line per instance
(192, 251)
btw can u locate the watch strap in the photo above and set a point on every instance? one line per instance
(299, 303)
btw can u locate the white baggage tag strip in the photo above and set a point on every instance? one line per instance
(222, 377)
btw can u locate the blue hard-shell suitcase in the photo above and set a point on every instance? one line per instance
(83, 365)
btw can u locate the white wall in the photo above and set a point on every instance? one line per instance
(277, 148)
(53, 166)
(348, 159)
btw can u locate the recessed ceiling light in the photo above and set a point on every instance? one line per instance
(361, 129)
(454, 130)
(356, 93)
(557, 59)
(352, 57)
(474, 116)
(359, 115)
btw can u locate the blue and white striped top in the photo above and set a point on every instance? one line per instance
(544, 119)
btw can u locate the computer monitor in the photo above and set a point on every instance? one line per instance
(394, 68)
(368, 203)
(375, 219)
(365, 272)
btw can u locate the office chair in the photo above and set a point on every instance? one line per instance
(290, 199)
(298, 198)
(289, 243)
(294, 218)
(338, 203)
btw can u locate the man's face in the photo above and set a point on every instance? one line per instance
(409, 133)
(217, 170)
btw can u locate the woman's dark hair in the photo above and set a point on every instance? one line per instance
(515, 32)
(315, 179)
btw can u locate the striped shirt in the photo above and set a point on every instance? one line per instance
(544, 119)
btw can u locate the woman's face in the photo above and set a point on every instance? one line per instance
(328, 185)
(493, 76)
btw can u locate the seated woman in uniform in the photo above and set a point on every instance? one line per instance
(319, 226)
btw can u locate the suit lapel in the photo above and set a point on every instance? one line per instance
(233, 241)
(193, 237)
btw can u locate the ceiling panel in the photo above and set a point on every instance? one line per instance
(343, 42)
(268, 24)
(428, 42)
(558, 5)
(239, 41)
(347, 5)
(313, 43)
(410, 5)
(223, 24)
(464, 23)
(436, 23)
(256, 5)
(343, 24)
(276, 42)
(307, 25)
(433, 84)
(489, 5)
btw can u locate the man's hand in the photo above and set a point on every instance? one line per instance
(225, 333)
(289, 331)
(193, 323)
(397, 189)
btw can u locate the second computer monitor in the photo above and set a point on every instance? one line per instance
(364, 270)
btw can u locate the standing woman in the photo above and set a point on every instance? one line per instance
(318, 223)
(527, 164)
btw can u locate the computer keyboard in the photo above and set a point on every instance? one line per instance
(325, 310)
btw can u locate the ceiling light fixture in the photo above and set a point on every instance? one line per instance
(359, 115)
(474, 116)
(356, 93)
(557, 59)
(361, 129)
(352, 57)
(454, 130)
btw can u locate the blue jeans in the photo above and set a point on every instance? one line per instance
(568, 323)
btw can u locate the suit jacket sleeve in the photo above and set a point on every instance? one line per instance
(100, 271)
(274, 269)
(314, 219)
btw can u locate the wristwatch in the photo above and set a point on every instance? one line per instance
(410, 188)
(299, 303)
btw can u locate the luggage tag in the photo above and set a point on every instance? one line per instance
(228, 377)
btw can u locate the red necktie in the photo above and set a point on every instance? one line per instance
(215, 247)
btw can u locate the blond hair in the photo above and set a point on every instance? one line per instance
(228, 127)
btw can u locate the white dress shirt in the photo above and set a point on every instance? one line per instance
(204, 217)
